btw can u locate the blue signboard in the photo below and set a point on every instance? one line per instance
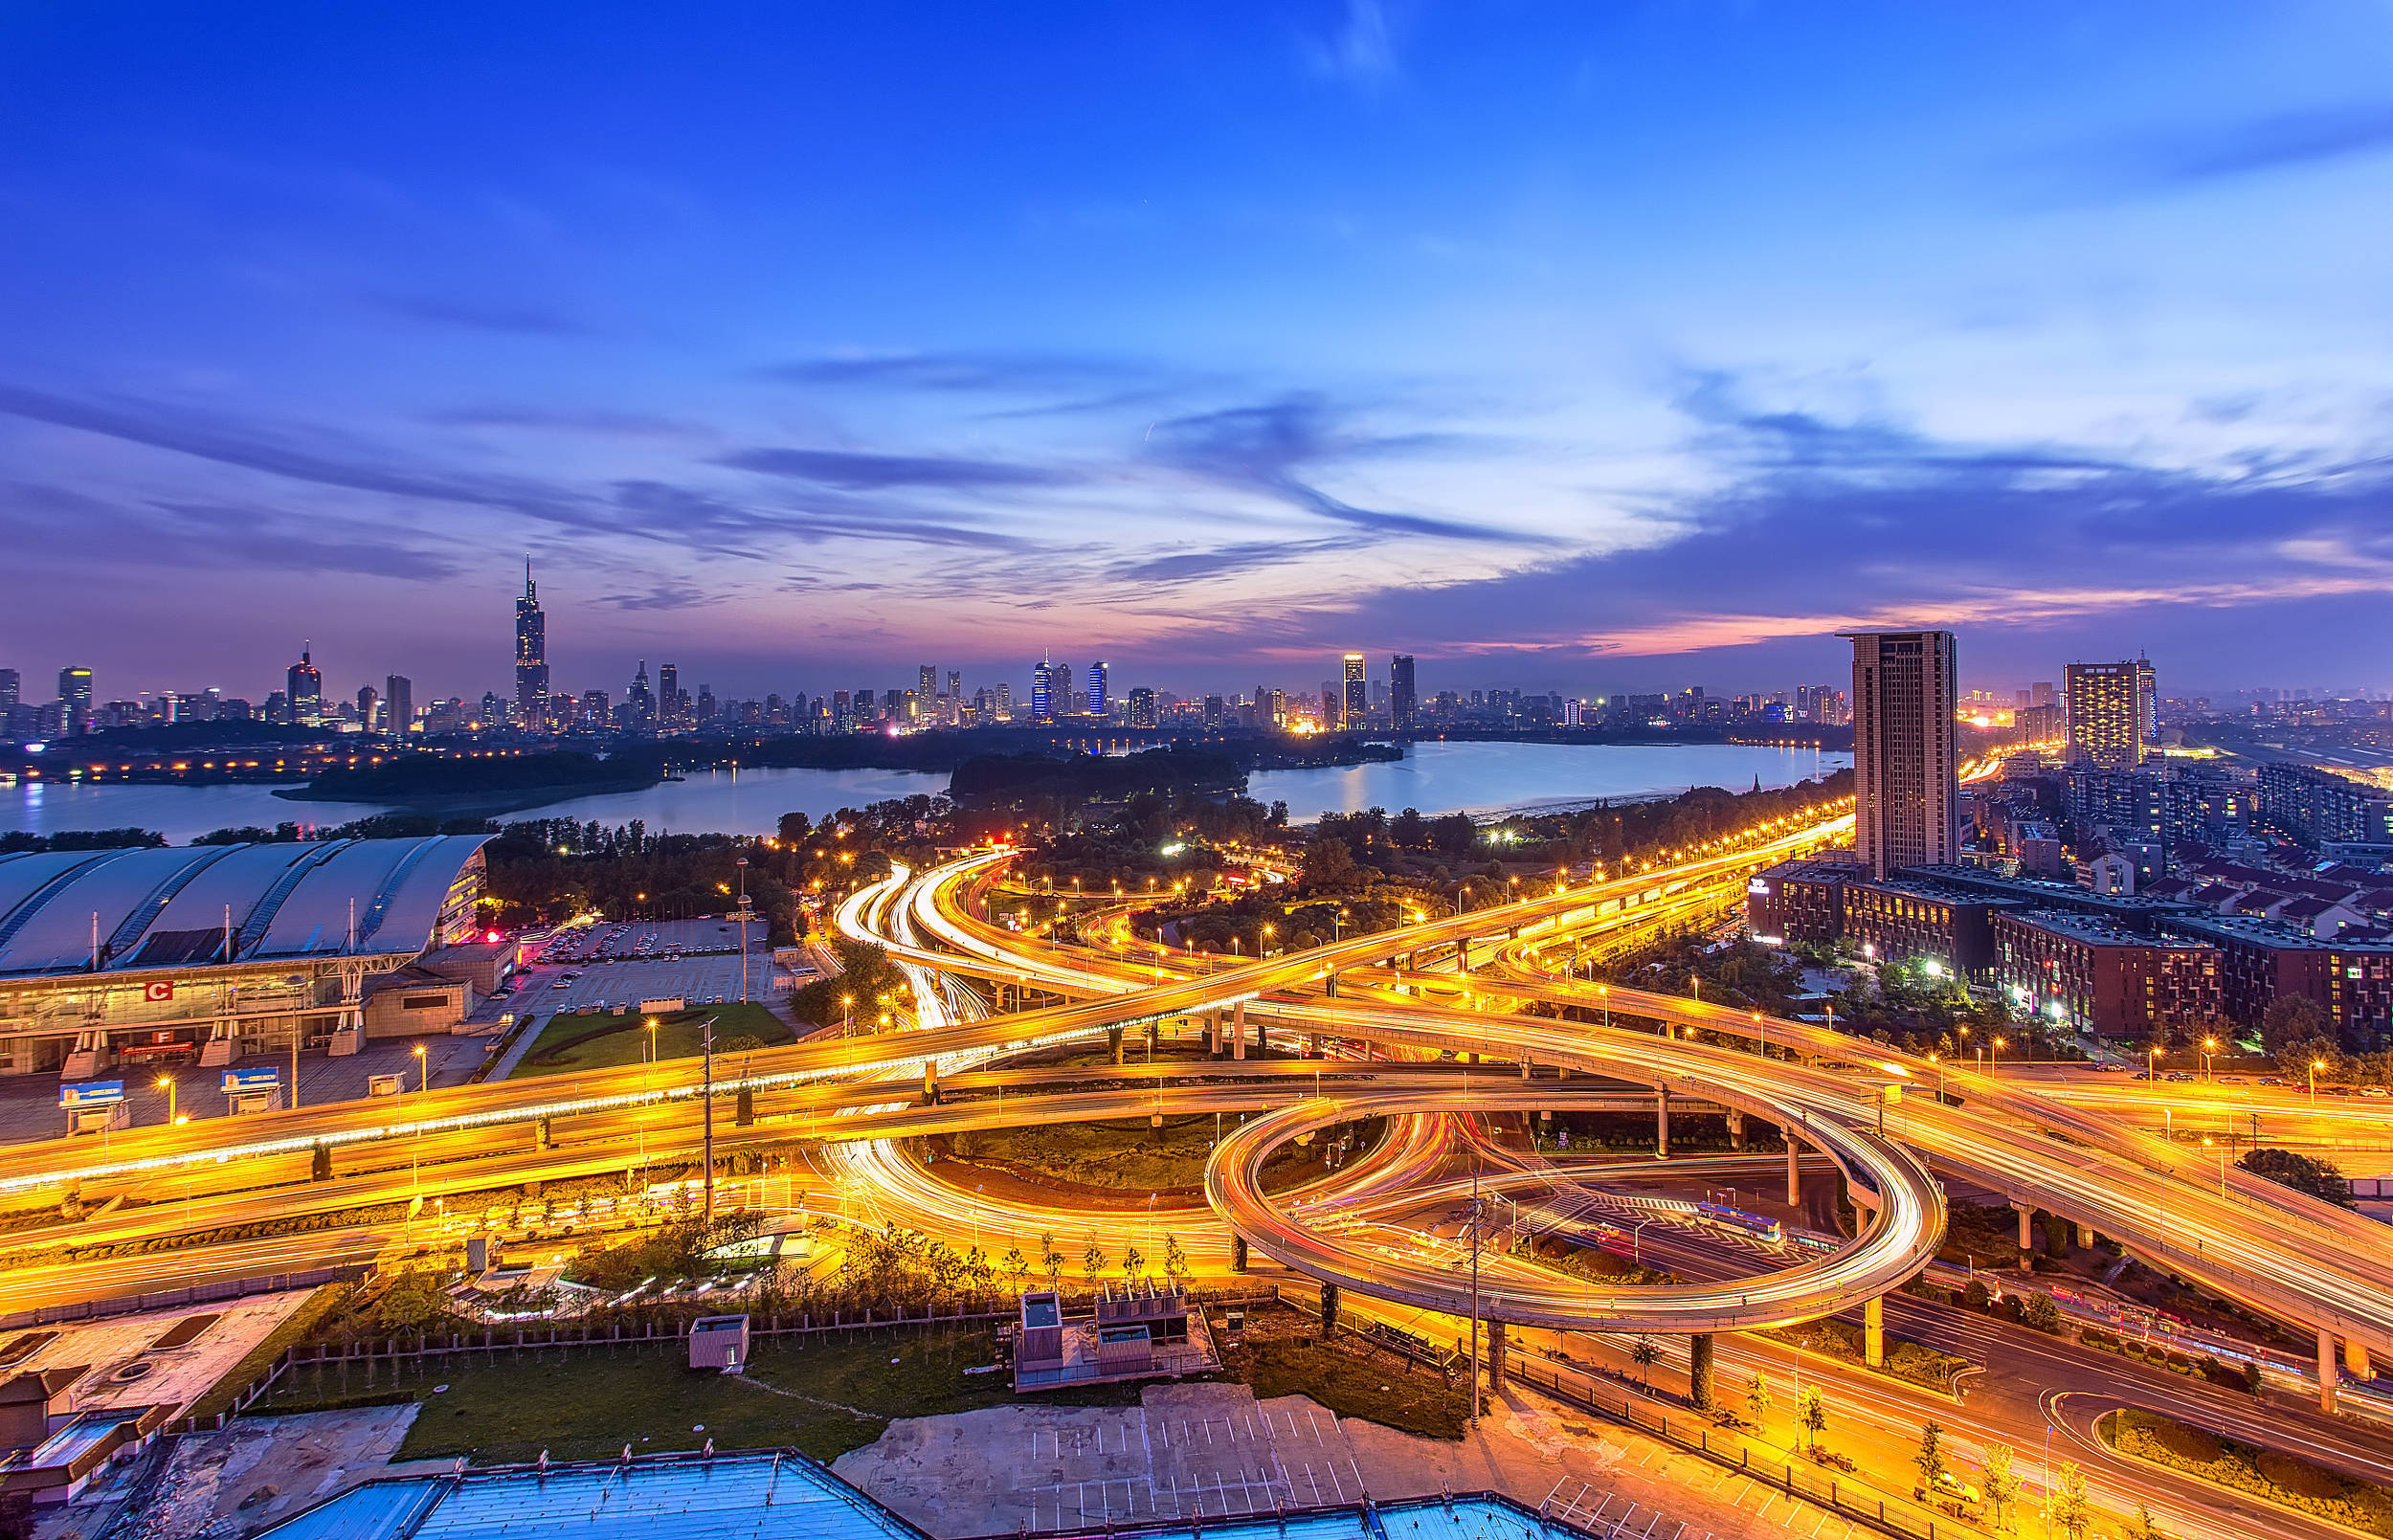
(91, 1093)
(238, 1081)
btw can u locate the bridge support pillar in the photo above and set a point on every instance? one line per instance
(1873, 1332)
(1212, 1034)
(2327, 1383)
(930, 1081)
(1793, 1175)
(2027, 1212)
(1525, 1066)
(1238, 1032)
(1662, 1121)
(2355, 1359)
(1238, 1254)
(2085, 1235)
(1736, 1129)
(1699, 1374)
(1115, 1032)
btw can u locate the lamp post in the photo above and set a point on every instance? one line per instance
(2209, 1047)
(167, 1081)
(2152, 1065)
(1636, 1242)
(2315, 1065)
(1994, 1049)
(740, 866)
(1604, 992)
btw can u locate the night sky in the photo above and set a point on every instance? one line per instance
(1582, 346)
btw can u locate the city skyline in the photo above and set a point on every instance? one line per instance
(1458, 340)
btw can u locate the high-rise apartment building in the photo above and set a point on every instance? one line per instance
(1142, 707)
(303, 689)
(368, 717)
(9, 689)
(1098, 702)
(1005, 702)
(398, 705)
(1906, 749)
(2147, 701)
(668, 695)
(1355, 707)
(2042, 693)
(531, 657)
(1404, 695)
(1270, 708)
(2106, 713)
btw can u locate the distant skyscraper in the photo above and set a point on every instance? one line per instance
(1356, 705)
(398, 705)
(1005, 700)
(531, 657)
(2106, 712)
(1050, 691)
(303, 689)
(2041, 693)
(9, 690)
(1270, 707)
(1906, 749)
(956, 685)
(74, 702)
(2147, 701)
(639, 701)
(1213, 713)
(1097, 702)
(668, 695)
(366, 701)
(1404, 699)
(926, 682)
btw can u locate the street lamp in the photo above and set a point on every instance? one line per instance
(2315, 1065)
(1604, 994)
(423, 1072)
(2209, 1047)
(1991, 1052)
(167, 1081)
(847, 1015)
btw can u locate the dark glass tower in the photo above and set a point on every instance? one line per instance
(531, 657)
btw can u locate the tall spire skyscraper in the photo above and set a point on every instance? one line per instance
(531, 657)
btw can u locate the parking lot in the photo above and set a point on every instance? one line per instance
(613, 968)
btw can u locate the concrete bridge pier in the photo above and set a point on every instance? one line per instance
(1662, 1121)
(1238, 1032)
(2327, 1382)
(1873, 1332)
(930, 1081)
(1212, 1034)
(2355, 1359)
(2027, 1212)
(1793, 1175)
(1736, 1129)
(2085, 1235)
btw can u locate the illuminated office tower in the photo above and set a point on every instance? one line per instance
(1142, 707)
(1050, 691)
(398, 705)
(1097, 688)
(1906, 749)
(74, 702)
(303, 689)
(1355, 707)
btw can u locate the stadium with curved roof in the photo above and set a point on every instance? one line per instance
(107, 951)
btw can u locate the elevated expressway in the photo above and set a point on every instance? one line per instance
(2275, 1251)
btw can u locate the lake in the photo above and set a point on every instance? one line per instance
(1434, 778)
(1485, 777)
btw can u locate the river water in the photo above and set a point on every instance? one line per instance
(1434, 778)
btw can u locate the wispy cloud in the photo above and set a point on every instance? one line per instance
(871, 473)
(2270, 143)
(1264, 448)
(1358, 47)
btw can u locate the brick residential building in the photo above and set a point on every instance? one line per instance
(2099, 978)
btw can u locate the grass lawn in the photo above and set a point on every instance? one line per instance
(1353, 1381)
(566, 1044)
(825, 1399)
(1130, 1154)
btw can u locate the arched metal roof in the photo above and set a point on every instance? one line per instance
(175, 908)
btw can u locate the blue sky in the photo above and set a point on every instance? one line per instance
(1577, 346)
